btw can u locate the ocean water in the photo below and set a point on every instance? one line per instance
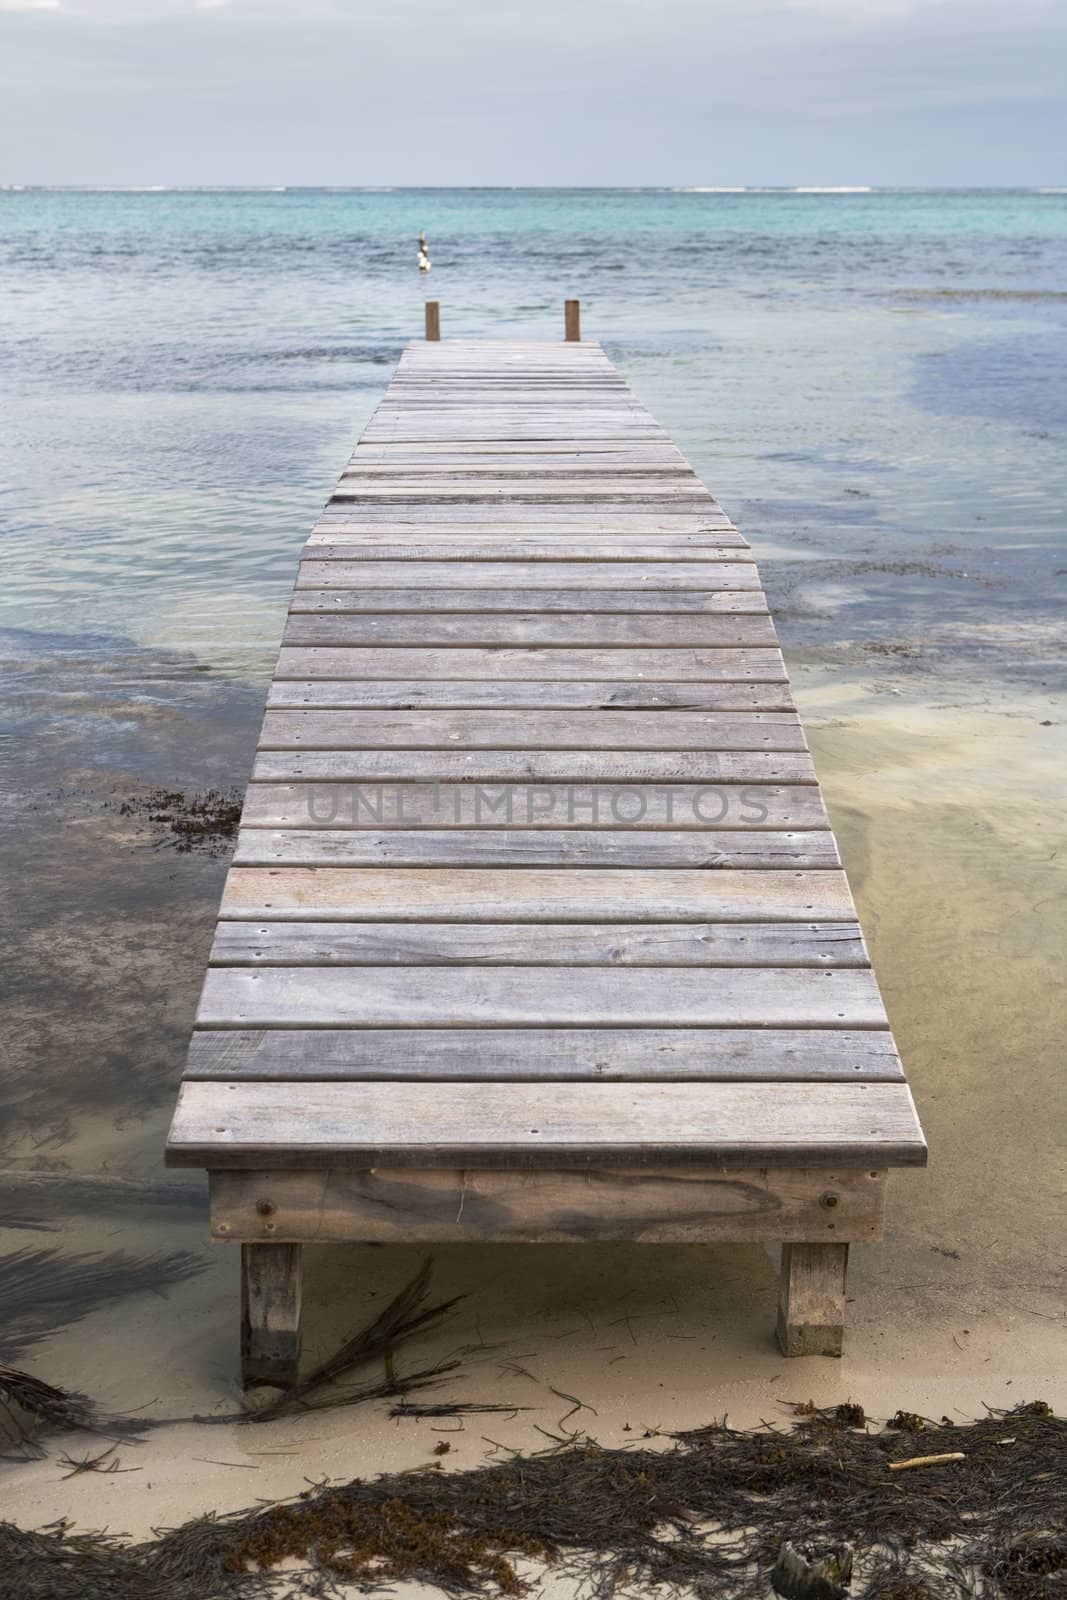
(872, 383)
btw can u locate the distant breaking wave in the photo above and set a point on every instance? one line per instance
(832, 188)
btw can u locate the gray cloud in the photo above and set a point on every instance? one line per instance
(567, 91)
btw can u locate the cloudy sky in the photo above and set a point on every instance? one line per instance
(533, 91)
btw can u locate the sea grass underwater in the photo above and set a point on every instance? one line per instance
(31, 1409)
(708, 1515)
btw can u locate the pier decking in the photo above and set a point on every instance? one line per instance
(536, 927)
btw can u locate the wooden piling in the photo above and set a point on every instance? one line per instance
(572, 321)
(270, 1313)
(433, 319)
(811, 1299)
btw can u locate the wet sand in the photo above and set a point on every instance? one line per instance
(947, 806)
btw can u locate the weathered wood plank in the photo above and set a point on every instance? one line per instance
(560, 944)
(535, 766)
(546, 1055)
(590, 520)
(556, 574)
(566, 452)
(676, 1206)
(548, 806)
(551, 997)
(535, 895)
(573, 730)
(493, 694)
(554, 471)
(345, 542)
(625, 846)
(737, 601)
(518, 630)
(527, 489)
(721, 664)
(259, 1125)
(569, 894)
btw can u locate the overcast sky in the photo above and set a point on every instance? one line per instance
(533, 91)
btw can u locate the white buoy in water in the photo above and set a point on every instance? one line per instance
(424, 255)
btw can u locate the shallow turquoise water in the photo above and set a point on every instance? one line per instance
(869, 380)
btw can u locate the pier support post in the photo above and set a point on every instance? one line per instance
(271, 1278)
(811, 1299)
(572, 321)
(433, 320)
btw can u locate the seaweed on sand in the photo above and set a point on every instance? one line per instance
(705, 1517)
(42, 1404)
(50, 1408)
(406, 1314)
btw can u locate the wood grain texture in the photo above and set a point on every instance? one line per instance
(551, 574)
(607, 666)
(811, 1298)
(526, 996)
(344, 540)
(570, 894)
(508, 599)
(724, 944)
(753, 849)
(511, 694)
(271, 1294)
(674, 1206)
(547, 1055)
(536, 766)
(239, 1124)
(465, 805)
(578, 630)
(566, 730)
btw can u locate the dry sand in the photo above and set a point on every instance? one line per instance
(951, 822)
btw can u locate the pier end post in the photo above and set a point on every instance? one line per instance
(433, 320)
(572, 321)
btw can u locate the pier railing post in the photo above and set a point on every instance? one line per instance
(433, 319)
(572, 321)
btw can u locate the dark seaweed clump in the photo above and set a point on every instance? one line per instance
(207, 820)
(708, 1516)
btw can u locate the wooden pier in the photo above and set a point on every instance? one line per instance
(536, 927)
